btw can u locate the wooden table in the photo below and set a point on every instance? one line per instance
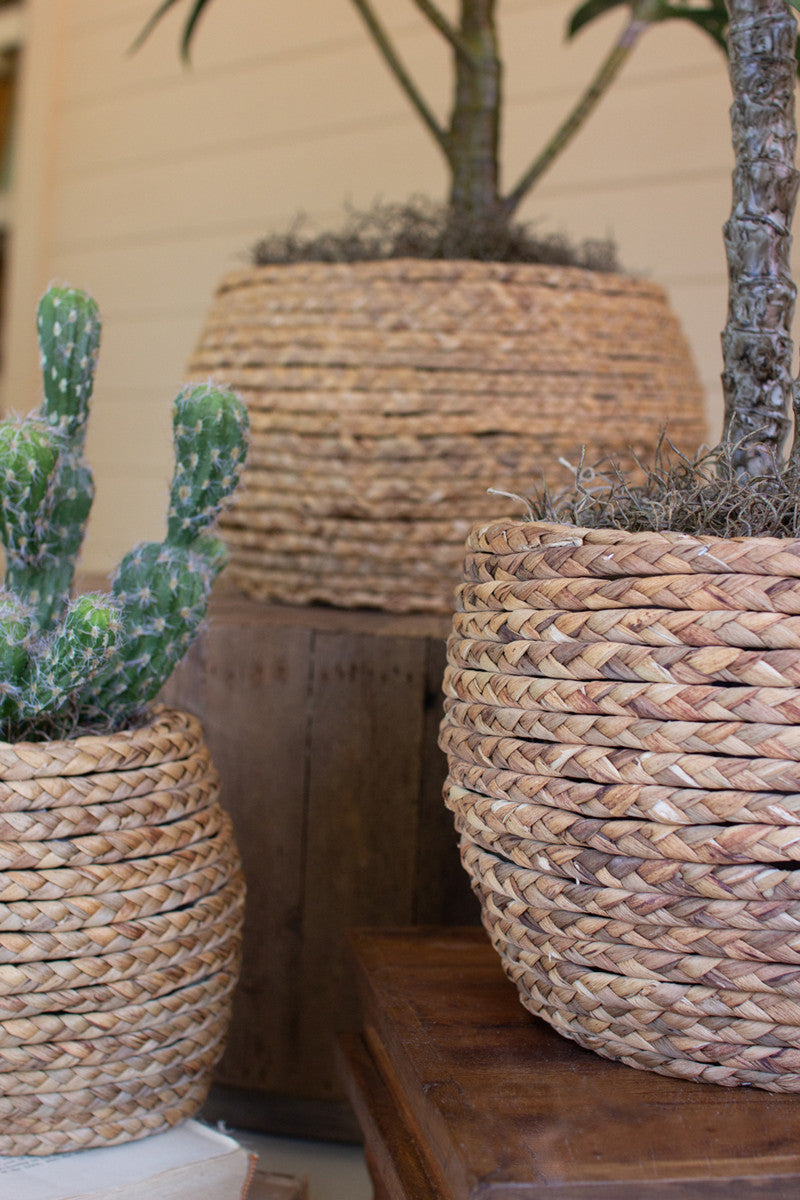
(461, 1094)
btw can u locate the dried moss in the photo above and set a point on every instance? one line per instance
(699, 496)
(425, 230)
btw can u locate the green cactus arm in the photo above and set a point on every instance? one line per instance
(62, 539)
(29, 457)
(77, 651)
(162, 592)
(210, 430)
(46, 494)
(16, 652)
(68, 325)
(213, 555)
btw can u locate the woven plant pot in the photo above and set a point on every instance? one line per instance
(622, 735)
(120, 916)
(386, 398)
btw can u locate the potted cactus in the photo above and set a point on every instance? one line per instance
(120, 882)
(622, 693)
(388, 396)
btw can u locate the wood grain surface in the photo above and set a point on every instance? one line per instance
(322, 725)
(489, 1102)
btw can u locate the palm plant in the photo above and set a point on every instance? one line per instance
(469, 139)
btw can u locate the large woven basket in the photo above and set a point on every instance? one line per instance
(120, 913)
(386, 398)
(624, 768)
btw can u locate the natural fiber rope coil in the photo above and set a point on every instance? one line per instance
(123, 987)
(111, 1126)
(763, 946)
(760, 593)
(207, 912)
(135, 812)
(44, 793)
(529, 885)
(53, 1056)
(651, 802)
(637, 626)
(722, 844)
(659, 701)
(563, 551)
(742, 739)
(78, 912)
(609, 764)
(129, 1018)
(170, 735)
(96, 879)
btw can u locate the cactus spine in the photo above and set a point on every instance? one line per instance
(97, 661)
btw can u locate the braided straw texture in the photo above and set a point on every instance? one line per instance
(621, 726)
(120, 930)
(386, 398)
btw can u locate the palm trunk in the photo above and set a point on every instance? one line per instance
(756, 343)
(473, 136)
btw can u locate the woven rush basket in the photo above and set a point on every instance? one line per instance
(121, 902)
(386, 398)
(621, 726)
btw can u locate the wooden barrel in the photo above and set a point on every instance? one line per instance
(323, 727)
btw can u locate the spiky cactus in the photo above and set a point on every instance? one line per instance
(97, 661)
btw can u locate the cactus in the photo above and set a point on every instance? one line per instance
(98, 661)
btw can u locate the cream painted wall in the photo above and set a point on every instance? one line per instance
(143, 181)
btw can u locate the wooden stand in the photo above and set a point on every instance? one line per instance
(461, 1094)
(323, 725)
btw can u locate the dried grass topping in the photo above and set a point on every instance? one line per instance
(697, 496)
(423, 229)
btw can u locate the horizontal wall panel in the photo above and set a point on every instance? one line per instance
(129, 507)
(204, 195)
(160, 178)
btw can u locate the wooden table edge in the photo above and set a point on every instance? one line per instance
(395, 1162)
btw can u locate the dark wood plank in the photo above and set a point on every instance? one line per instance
(443, 894)
(508, 1110)
(285, 1116)
(230, 605)
(365, 738)
(241, 680)
(323, 726)
(397, 1168)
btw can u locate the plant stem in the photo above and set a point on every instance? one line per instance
(395, 65)
(440, 22)
(644, 13)
(473, 136)
(756, 342)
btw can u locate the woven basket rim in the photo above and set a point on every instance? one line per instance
(74, 756)
(567, 535)
(443, 270)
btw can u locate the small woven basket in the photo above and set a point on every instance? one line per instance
(121, 900)
(621, 726)
(385, 398)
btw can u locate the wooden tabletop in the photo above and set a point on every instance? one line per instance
(462, 1095)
